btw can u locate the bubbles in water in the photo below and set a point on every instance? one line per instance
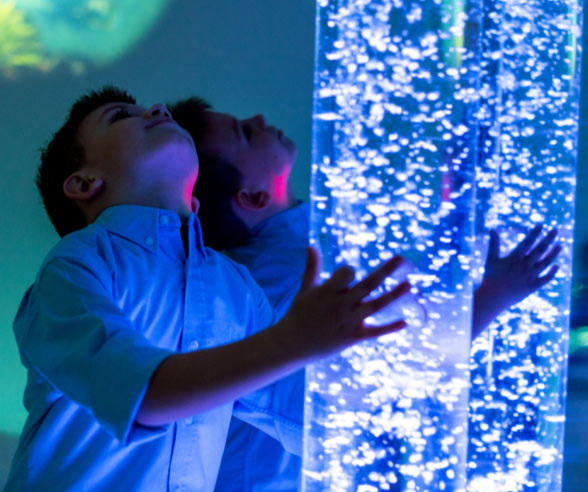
(393, 174)
(528, 116)
(411, 118)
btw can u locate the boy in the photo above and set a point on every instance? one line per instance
(245, 169)
(136, 338)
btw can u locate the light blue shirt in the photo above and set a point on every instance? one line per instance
(109, 304)
(275, 254)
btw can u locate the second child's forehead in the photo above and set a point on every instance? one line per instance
(223, 126)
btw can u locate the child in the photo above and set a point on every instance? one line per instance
(138, 339)
(250, 211)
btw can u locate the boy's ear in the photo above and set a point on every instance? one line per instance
(78, 186)
(252, 201)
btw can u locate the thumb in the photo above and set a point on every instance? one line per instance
(313, 266)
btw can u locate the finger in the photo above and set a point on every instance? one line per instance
(375, 279)
(547, 260)
(311, 272)
(374, 305)
(340, 279)
(377, 331)
(538, 251)
(529, 240)
(545, 279)
(493, 246)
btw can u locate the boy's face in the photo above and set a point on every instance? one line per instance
(137, 150)
(263, 154)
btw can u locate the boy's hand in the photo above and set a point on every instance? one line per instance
(510, 279)
(330, 317)
(519, 274)
(321, 321)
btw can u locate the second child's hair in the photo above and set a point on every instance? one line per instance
(64, 155)
(218, 180)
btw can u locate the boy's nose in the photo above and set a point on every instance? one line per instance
(158, 110)
(258, 120)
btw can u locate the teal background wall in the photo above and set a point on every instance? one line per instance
(245, 57)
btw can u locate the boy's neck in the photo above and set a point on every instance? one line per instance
(252, 219)
(182, 203)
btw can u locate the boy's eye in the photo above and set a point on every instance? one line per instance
(119, 115)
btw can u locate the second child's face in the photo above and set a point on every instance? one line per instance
(262, 153)
(130, 146)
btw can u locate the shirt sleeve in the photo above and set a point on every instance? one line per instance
(277, 410)
(76, 337)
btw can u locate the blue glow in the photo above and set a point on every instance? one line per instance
(393, 172)
(418, 104)
(528, 143)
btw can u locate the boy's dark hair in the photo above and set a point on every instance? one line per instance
(64, 155)
(218, 180)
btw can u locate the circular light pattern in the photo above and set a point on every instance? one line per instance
(39, 34)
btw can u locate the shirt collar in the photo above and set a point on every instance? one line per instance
(142, 224)
(290, 223)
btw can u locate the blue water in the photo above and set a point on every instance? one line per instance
(393, 173)
(526, 176)
(418, 107)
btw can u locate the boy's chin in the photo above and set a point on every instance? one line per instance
(178, 152)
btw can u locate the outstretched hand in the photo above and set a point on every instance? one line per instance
(508, 280)
(327, 318)
(519, 273)
(322, 320)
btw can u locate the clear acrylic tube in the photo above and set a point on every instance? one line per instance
(526, 176)
(394, 152)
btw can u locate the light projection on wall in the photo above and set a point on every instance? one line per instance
(418, 104)
(39, 34)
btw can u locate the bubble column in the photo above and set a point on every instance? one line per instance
(526, 176)
(393, 172)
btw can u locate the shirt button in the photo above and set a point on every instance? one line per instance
(193, 345)
(149, 241)
(164, 220)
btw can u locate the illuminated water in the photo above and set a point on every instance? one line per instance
(418, 104)
(393, 172)
(528, 121)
